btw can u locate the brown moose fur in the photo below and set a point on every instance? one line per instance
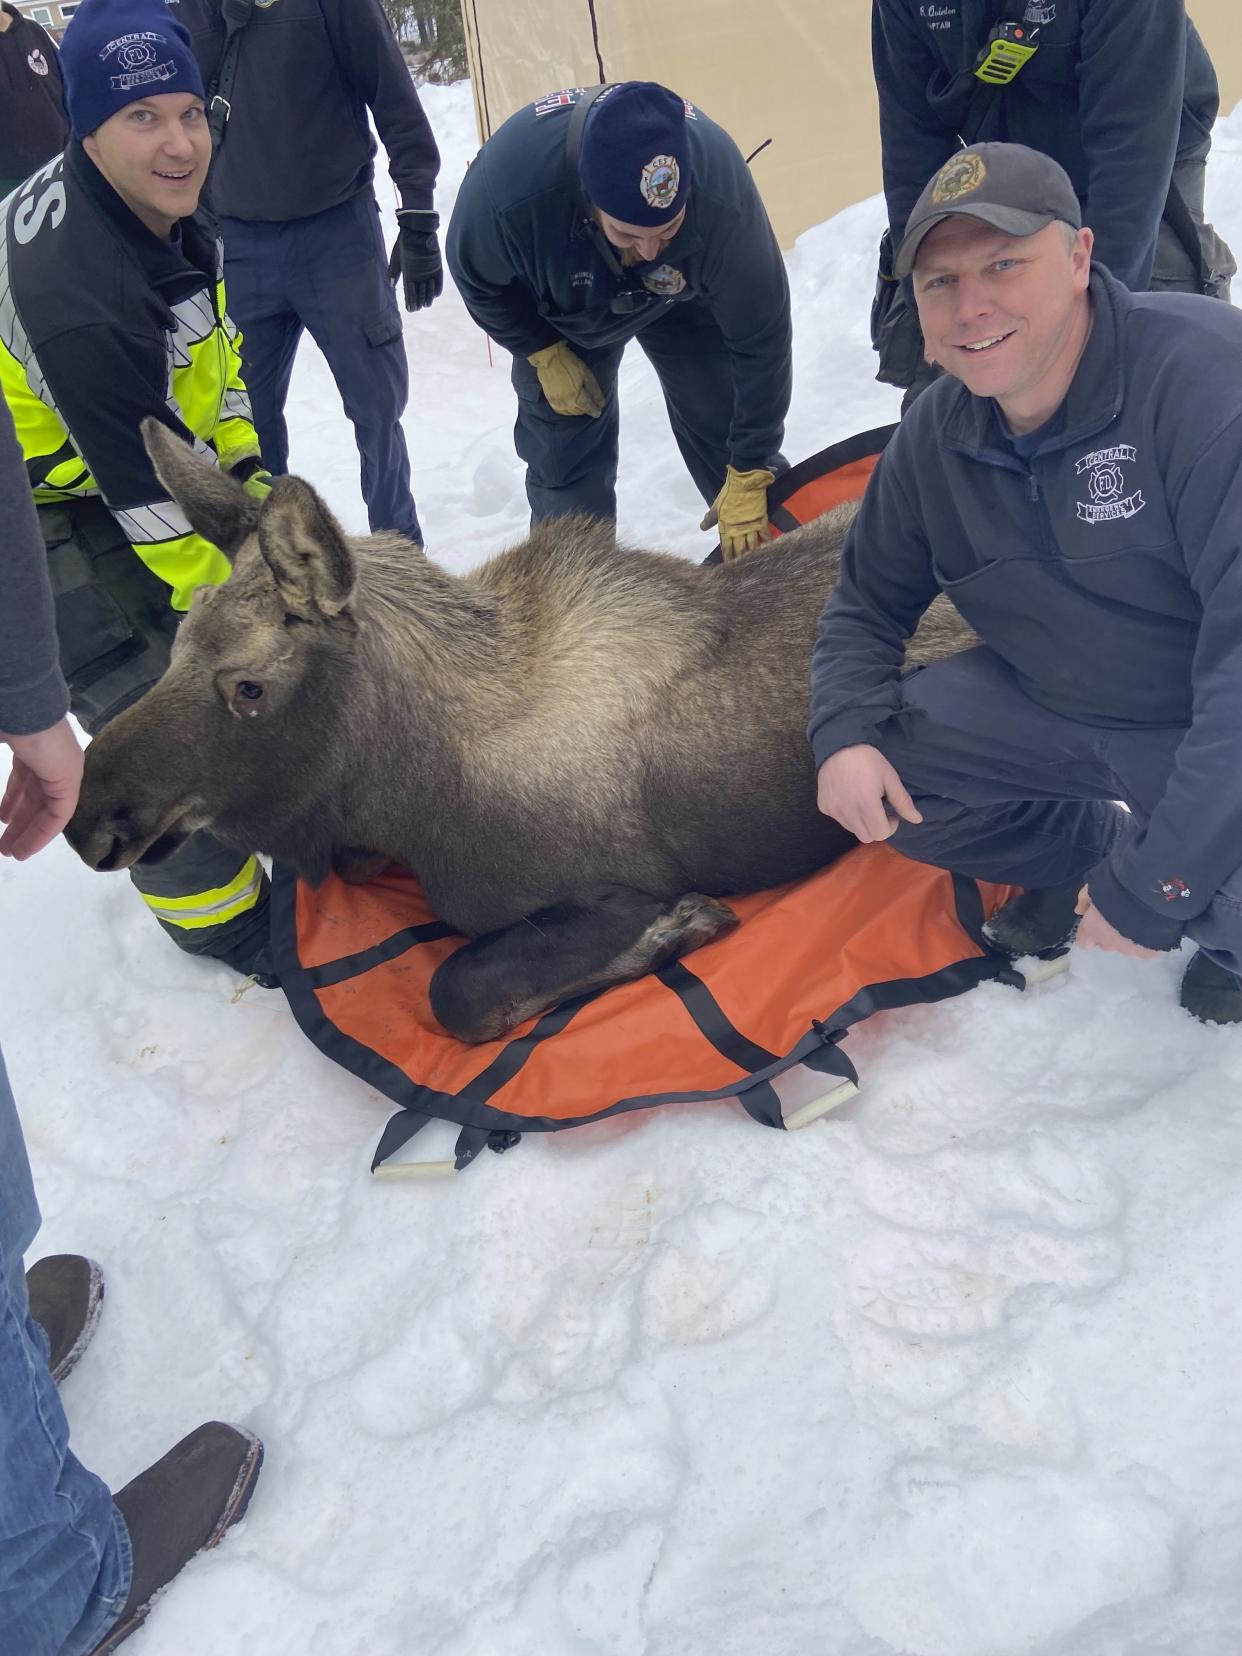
(571, 719)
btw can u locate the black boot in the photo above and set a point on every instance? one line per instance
(1040, 923)
(65, 1293)
(179, 1507)
(1210, 993)
(245, 944)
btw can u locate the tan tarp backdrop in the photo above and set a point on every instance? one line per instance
(795, 71)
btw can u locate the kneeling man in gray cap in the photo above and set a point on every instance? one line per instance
(1073, 482)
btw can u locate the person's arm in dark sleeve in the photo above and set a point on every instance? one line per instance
(1131, 73)
(104, 384)
(1162, 877)
(33, 696)
(886, 583)
(746, 288)
(913, 142)
(495, 294)
(371, 61)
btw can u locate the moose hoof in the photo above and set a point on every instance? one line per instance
(694, 921)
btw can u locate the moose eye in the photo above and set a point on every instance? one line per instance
(246, 697)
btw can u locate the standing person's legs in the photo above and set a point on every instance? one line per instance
(571, 459)
(270, 329)
(338, 283)
(65, 1559)
(1172, 270)
(688, 352)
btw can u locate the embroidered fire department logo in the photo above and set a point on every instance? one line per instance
(38, 63)
(664, 281)
(958, 178)
(136, 57)
(1106, 484)
(1172, 890)
(659, 182)
(1039, 12)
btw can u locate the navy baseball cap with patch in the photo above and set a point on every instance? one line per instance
(118, 51)
(1013, 188)
(634, 163)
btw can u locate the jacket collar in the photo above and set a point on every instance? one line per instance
(1096, 392)
(163, 263)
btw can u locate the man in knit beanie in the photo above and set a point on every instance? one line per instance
(593, 218)
(113, 311)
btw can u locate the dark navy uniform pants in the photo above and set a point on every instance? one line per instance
(571, 460)
(1013, 793)
(327, 274)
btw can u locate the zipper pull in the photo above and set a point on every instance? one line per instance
(1032, 486)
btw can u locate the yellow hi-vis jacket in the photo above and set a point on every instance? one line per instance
(101, 324)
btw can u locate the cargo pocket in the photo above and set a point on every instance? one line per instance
(93, 631)
(383, 330)
(94, 635)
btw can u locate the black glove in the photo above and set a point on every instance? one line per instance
(416, 258)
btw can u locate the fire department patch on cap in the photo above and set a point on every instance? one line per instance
(958, 178)
(660, 181)
(665, 281)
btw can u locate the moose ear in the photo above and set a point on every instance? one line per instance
(215, 503)
(305, 550)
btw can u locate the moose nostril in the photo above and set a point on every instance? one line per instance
(112, 857)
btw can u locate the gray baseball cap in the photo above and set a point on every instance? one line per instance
(1015, 189)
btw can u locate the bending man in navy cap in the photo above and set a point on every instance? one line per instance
(590, 219)
(1073, 482)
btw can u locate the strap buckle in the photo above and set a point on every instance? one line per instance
(223, 103)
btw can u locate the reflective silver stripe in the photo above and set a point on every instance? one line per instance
(13, 335)
(196, 317)
(236, 406)
(203, 911)
(149, 525)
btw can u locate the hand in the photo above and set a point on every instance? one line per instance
(854, 784)
(253, 476)
(43, 789)
(416, 258)
(1095, 932)
(741, 510)
(566, 381)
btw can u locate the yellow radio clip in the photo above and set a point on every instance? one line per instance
(1009, 49)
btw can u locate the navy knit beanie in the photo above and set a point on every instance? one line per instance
(118, 51)
(634, 163)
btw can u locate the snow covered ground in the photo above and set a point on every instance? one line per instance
(952, 1373)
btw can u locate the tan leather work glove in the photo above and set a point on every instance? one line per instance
(741, 511)
(566, 381)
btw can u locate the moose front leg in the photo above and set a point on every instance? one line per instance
(357, 866)
(609, 935)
